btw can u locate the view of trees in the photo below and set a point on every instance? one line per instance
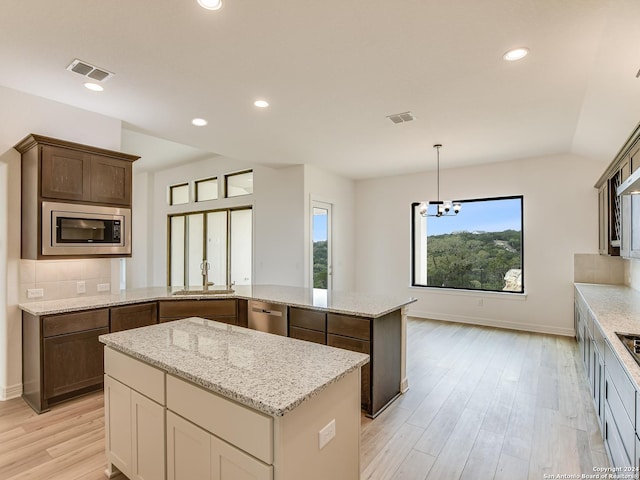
(476, 260)
(320, 264)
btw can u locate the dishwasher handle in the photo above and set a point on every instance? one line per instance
(275, 313)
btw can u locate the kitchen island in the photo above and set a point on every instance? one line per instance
(211, 400)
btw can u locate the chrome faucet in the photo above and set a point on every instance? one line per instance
(205, 266)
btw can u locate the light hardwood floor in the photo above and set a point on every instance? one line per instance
(483, 404)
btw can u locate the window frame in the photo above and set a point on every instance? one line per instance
(203, 180)
(413, 284)
(204, 239)
(226, 183)
(176, 185)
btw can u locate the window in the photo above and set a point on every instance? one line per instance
(240, 183)
(206, 189)
(478, 249)
(179, 194)
(221, 237)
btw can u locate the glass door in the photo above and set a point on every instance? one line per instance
(321, 271)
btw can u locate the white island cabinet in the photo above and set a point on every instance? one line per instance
(197, 399)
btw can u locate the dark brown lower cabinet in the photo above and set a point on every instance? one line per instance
(72, 363)
(61, 356)
(378, 337)
(133, 316)
(223, 310)
(360, 346)
(308, 335)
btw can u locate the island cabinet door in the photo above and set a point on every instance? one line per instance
(134, 432)
(147, 455)
(188, 450)
(117, 412)
(230, 463)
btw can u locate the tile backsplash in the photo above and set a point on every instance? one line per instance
(59, 278)
(595, 268)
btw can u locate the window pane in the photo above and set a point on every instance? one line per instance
(177, 251)
(239, 184)
(206, 189)
(478, 249)
(241, 240)
(195, 252)
(179, 194)
(320, 247)
(217, 246)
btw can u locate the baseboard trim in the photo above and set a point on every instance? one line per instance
(485, 322)
(7, 393)
(404, 385)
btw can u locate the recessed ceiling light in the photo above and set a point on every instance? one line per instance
(261, 103)
(94, 87)
(210, 4)
(199, 122)
(516, 54)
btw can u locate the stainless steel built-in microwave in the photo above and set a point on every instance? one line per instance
(70, 229)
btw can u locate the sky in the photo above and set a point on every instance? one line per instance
(319, 227)
(487, 216)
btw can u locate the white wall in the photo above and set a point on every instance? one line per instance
(340, 193)
(560, 219)
(20, 115)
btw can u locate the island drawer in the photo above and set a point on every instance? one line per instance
(139, 376)
(354, 327)
(308, 335)
(247, 429)
(197, 308)
(309, 319)
(75, 322)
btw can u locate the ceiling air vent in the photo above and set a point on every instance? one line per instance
(91, 71)
(401, 117)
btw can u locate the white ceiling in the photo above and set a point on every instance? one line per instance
(333, 70)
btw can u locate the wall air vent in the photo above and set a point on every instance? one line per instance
(401, 117)
(90, 71)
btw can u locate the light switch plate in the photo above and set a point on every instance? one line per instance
(104, 287)
(35, 292)
(81, 287)
(326, 434)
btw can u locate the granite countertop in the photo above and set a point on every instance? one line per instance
(269, 373)
(349, 303)
(616, 308)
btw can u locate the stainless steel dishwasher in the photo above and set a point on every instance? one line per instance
(268, 317)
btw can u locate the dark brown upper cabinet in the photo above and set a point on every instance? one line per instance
(62, 170)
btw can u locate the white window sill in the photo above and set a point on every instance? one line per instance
(471, 293)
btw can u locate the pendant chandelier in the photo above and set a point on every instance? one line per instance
(444, 208)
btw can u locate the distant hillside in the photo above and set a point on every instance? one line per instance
(320, 264)
(477, 260)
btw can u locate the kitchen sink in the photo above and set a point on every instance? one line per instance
(209, 291)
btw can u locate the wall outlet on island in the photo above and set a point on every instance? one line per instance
(104, 287)
(326, 434)
(81, 287)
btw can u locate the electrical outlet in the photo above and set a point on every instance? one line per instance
(480, 302)
(35, 292)
(326, 434)
(81, 287)
(104, 287)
